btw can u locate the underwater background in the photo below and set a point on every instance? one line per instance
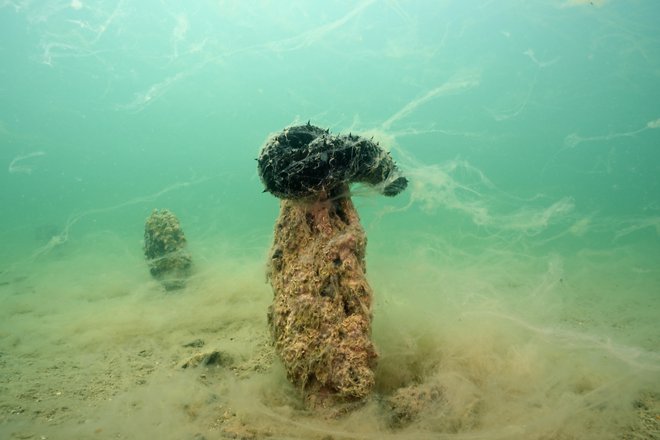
(517, 278)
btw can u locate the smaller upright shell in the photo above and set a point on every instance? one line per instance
(164, 249)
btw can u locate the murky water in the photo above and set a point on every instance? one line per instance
(516, 280)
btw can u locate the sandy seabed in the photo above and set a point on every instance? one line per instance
(552, 349)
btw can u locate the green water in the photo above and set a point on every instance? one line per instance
(519, 273)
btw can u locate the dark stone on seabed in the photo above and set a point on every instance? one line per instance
(303, 160)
